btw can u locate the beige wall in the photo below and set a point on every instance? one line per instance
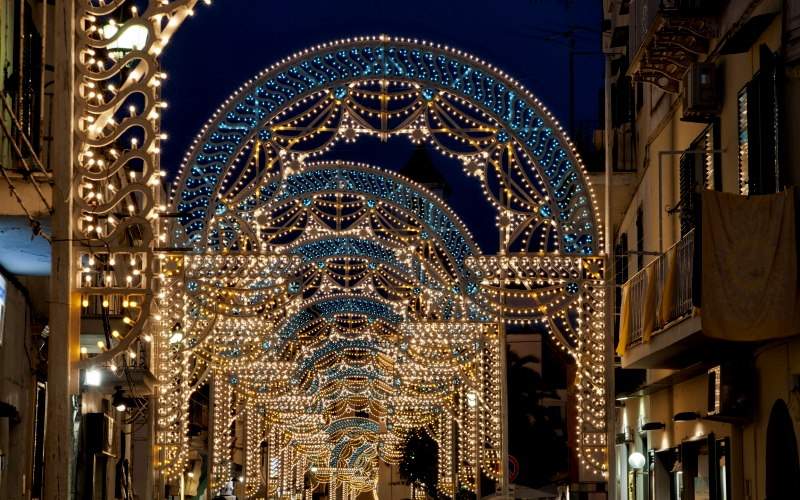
(16, 388)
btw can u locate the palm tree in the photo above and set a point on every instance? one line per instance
(534, 439)
(419, 466)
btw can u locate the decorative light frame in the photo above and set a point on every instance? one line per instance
(117, 243)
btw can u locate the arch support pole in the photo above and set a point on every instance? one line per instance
(64, 344)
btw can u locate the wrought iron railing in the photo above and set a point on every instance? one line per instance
(678, 302)
(643, 14)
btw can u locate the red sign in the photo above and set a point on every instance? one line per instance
(513, 468)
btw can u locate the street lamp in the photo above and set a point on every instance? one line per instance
(636, 460)
(133, 36)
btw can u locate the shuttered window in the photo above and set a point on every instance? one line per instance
(758, 129)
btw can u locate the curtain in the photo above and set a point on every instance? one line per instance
(624, 319)
(668, 293)
(649, 309)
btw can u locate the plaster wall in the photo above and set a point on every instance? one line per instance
(17, 384)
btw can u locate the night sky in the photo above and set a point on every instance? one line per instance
(228, 42)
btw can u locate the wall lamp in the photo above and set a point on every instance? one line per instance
(118, 401)
(653, 426)
(686, 416)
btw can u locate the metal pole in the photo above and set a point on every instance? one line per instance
(478, 448)
(63, 381)
(503, 412)
(611, 486)
(503, 459)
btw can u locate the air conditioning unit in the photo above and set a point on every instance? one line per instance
(99, 430)
(700, 91)
(729, 394)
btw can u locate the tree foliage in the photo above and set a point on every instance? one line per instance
(420, 462)
(534, 438)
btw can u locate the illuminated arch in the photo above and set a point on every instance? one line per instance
(296, 110)
(339, 79)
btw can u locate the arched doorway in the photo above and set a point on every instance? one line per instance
(783, 465)
(260, 251)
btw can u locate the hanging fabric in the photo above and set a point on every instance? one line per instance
(749, 273)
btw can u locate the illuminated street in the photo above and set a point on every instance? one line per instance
(317, 262)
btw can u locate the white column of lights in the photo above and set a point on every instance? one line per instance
(270, 478)
(172, 367)
(468, 459)
(491, 421)
(254, 434)
(287, 465)
(592, 409)
(446, 455)
(223, 415)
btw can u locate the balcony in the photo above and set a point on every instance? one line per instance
(662, 327)
(667, 36)
(748, 283)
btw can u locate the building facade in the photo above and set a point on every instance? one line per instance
(704, 120)
(108, 443)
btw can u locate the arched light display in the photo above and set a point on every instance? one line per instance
(332, 307)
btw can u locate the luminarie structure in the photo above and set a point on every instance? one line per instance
(331, 307)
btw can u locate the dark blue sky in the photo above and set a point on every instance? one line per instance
(228, 42)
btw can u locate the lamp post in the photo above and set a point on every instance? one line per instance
(635, 461)
(130, 36)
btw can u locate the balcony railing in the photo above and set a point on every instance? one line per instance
(666, 283)
(666, 36)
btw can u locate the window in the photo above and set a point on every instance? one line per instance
(758, 129)
(622, 96)
(697, 170)
(23, 78)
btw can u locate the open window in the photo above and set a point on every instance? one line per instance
(758, 112)
(700, 170)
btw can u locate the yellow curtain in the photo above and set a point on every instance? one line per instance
(749, 268)
(668, 294)
(624, 319)
(649, 309)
